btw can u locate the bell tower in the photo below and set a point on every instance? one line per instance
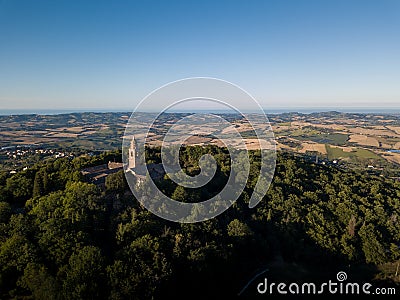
(132, 155)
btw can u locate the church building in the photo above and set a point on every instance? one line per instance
(156, 171)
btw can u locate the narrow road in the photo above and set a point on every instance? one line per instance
(251, 280)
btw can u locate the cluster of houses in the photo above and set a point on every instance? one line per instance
(21, 151)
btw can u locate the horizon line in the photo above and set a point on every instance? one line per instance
(271, 110)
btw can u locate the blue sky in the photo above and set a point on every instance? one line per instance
(286, 53)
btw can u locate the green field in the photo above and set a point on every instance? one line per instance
(323, 138)
(335, 153)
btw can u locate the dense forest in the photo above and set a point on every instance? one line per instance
(63, 237)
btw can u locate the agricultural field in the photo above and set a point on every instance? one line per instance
(340, 153)
(78, 130)
(364, 140)
(358, 139)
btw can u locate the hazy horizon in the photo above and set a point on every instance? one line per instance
(277, 110)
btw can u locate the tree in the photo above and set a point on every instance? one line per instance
(139, 270)
(373, 250)
(20, 186)
(15, 254)
(59, 243)
(116, 182)
(85, 274)
(39, 282)
(238, 229)
(5, 195)
(40, 183)
(180, 194)
(5, 212)
(83, 205)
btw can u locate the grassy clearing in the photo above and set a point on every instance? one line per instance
(325, 138)
(304, 132)
(335, 153)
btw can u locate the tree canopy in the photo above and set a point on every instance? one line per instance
(63, 237)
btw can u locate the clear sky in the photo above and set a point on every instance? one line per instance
(110, 54)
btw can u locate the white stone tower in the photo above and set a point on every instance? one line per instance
(132, 155)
